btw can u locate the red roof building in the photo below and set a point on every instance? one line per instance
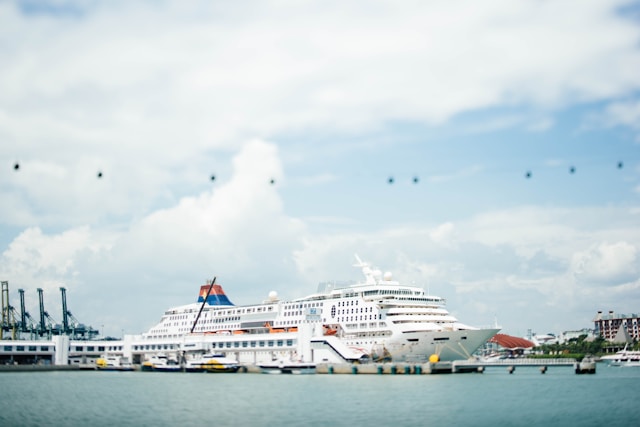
(511, 343)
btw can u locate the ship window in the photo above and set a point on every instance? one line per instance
(270, 343)
(253, 343)
(261, 343)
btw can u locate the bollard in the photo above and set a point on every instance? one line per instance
(393, 369)
(511, 369)
(354, 369)
(407, 369)
(380, 369)
(543, 369)
(330, 369)
(418, 370)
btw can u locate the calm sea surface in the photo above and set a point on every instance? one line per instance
(611, 397)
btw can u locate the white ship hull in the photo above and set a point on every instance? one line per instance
(447, 346)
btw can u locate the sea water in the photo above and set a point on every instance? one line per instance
(527, 397)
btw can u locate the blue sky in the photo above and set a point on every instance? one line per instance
(329, 100)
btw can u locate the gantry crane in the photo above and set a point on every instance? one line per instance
(70, 325)
(47, 325)
(8, 313)
(27, 323)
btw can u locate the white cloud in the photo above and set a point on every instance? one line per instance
(48, 261)
(607, 264)
(625, 113)
(153, 103)
(163, 257)
(443, 234)
(510, 264)
(161, 95)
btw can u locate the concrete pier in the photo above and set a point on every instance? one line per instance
(456, 367)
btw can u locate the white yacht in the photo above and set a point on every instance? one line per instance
(624, 358)
(377, 319)
(161, 362)
(114, 363)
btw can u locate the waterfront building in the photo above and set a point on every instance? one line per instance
(566, 336)
(617, 327)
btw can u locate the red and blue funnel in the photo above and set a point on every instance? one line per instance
(216, 295)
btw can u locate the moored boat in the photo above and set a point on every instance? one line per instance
(623, 358)
(114, 363)
(161, 363)
(212, 363)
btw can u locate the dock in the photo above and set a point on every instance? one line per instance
(455, 367)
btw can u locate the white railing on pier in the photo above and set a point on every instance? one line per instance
(524, 362)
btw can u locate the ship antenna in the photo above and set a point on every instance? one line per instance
(195, 322)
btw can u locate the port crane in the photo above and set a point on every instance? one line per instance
(8, 313)
(71, 326)
(47, 325)
(22, 322)
(27, 323)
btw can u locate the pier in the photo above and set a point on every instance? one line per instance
(456, 367)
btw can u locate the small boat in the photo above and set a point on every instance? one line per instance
(212, 363)
(161, 363)
(287, 367)
(114, 363)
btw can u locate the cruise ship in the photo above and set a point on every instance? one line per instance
(377, 319)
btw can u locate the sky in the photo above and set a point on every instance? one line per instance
(488, 152)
